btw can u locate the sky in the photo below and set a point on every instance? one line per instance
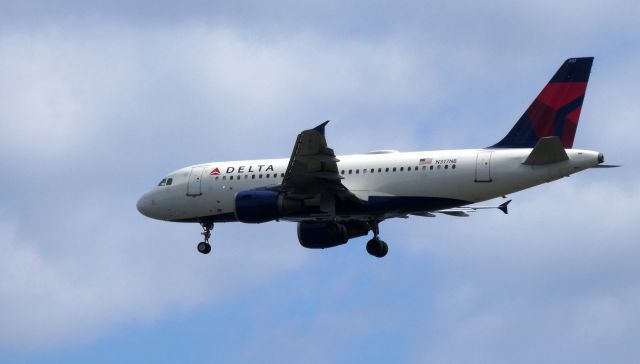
(99, 100)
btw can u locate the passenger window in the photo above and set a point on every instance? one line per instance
(364, 171)
(431, 168)
(416, 168)
(268, 175)
(231, 178)
(253, 176)
(246, 176)
(394, 169)
(386, 169)
(224, 178)
(424, 168)
(446, 167)
(259, 176)
(439, 166)
(357, 171)
(401, 169)
(282, 175)
(453, 166)
(169, 181)
(379, 170)
(350, 171)
(217, 177)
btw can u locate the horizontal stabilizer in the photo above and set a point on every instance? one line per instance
(504, 207)
(606, 166)
(548, 150)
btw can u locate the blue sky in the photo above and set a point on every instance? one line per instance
(99, 100)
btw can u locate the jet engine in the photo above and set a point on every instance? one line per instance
(321, 235)
(257, 206)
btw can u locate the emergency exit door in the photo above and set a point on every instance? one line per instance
(483, 167)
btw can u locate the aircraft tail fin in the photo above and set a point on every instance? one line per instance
(556, 110)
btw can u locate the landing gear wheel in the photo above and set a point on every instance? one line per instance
(385, 249)
(377, 247)
(204, 247)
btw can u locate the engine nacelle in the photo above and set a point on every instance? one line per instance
(321, 235)
(257, 206)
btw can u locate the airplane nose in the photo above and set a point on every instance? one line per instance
(143, 205)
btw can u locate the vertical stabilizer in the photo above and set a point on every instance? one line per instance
(556, 110)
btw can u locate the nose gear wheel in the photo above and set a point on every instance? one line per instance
(204, 247)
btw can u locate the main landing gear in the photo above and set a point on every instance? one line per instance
(375, 246)
(204, 247)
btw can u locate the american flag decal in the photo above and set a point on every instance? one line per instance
(426, 160)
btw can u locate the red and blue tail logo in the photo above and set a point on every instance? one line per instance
(556, 110)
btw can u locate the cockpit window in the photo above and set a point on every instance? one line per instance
(169, 181)
(163, 182)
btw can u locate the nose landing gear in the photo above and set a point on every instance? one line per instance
(204, 247)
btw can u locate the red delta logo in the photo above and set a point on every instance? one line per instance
(215, 172)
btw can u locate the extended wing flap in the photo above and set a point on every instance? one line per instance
(454, 213)
(423, 214)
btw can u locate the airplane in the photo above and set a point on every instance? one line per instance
(337, 198)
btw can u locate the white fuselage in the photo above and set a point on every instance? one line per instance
(458, 176)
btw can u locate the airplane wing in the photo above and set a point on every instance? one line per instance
(313, 168)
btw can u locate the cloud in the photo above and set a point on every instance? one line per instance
(57, 92)
(105, 266)
(94, 114)
(68, 92)
(554, 283)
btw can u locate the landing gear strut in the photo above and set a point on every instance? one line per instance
(375, 246)
(204, 247)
